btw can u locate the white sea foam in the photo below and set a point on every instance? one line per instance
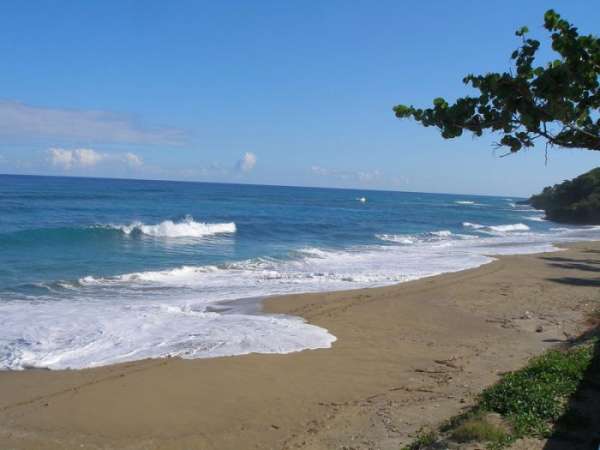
(397, 238)
(475, 226)
(409, 239)
(535, 218)
(119, 332)
(433, 237)
(467, 202)
(186, 228)
(508, 228)
(524, 207)
(175, 311)
(177, 276)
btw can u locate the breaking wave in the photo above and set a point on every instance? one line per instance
(429, 237)
(178, 311)
(508, 228)
(535, 218)
(467, 202)
(188, 227)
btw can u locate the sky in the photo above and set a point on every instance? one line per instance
(267, 92)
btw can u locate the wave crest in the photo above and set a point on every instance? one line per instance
(508, 228)
(429, 237)
(186, 228)
(467, 203)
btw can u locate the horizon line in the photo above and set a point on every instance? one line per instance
(254, 184)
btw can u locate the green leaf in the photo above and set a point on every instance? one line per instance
(564, 92)
(440, 102)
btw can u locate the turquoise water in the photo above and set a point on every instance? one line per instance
(96, 271)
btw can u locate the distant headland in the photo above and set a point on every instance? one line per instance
(574, 201)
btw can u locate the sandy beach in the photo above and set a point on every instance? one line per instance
(406, 356)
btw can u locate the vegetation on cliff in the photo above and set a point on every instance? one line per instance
(573, 201)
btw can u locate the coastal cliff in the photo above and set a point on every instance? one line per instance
(573, 201)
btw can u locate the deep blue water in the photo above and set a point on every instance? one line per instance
(94, 271)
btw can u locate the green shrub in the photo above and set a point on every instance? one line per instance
(531, 400)
(423, 440)
(479, 429)
(535, 396)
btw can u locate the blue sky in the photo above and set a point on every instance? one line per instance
(295, 93)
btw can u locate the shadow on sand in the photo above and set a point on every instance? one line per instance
(577, 281)
(579, 427)
(577, 266)
(580, 264)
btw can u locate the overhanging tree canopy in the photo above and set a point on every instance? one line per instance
(558, 102)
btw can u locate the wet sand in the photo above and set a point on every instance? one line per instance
(406, 356)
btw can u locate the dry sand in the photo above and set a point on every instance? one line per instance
(406, 356)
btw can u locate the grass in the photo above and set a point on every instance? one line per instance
(424, 440)
(530, 401)
(479, 428)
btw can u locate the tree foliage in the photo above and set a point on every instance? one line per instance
(558, 102)
(574, 201)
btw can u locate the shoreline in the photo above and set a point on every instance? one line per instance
(255, 305)
(406, 355)
(152, 312)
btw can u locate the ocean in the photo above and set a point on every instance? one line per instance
(101, 271)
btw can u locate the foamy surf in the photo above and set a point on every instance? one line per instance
(467, 203)
(119, 332)
(429, 237)
(170, 312)
(508, 228)
(77, 294)
(535, 218)
(188, 227)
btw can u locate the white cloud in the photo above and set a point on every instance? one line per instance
(87, 158)
(24, 122)
(133, 160)
(318, 170)
(247, 163)
(61, 157)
